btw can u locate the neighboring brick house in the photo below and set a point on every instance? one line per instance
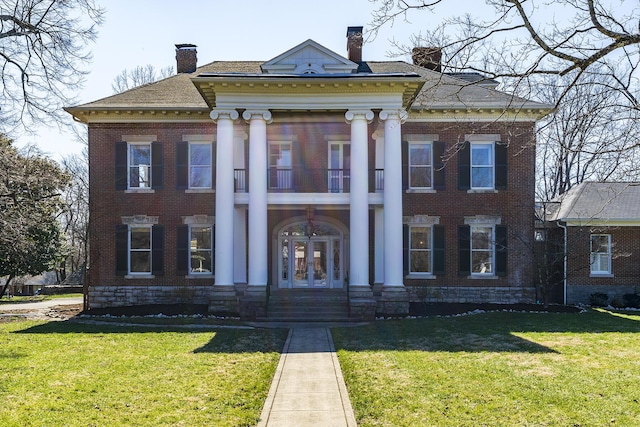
(600, 223)
(311, 180)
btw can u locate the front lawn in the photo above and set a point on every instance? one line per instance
(495, 369)
(35, 298)
(66, 374)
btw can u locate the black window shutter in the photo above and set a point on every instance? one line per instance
(464, 250)
(182, 250)
(405, 249)
(182, 165)
(438, 250)
(157, 166)
(121, 165)
(438, 165)
(464, 167)
(157, 250)
(501, 250)
(122, 250)
(501, 166)
(405, 165)
(213, 249)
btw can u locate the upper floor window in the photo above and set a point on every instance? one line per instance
(420, 165)
(138, 165)
(195, 164)
(280, 164)
(482, 165)
(423, 163)
(600, 254)
(200, 166)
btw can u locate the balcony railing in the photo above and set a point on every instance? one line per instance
(300, 180)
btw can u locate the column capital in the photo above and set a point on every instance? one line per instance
(352, 115)
(257, 114)
(399, 115)
(223, 114)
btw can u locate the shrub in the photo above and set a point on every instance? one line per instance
(631, 300)
(598, 299)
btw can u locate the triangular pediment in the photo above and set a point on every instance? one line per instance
(309, 57)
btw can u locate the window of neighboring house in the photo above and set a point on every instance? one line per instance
(482, 250)
(139, 166)
(140, 241)
(420, 249)
(420, 165)
(280, 163)
(200, 166)
(600, 254)
(482, 166)
(200, 249)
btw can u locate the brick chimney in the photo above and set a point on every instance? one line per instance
(427, 57)
(354, 44)
(186, 58)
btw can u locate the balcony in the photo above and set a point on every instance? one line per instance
(300, 180)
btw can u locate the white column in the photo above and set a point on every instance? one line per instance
(225, 210)
(258, 259)
(378, 251)
(359, 198)
(393, 197)
(240, 245)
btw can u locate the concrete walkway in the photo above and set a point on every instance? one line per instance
(308, 388)
(40, 304)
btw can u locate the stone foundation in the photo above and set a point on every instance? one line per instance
(253, 304)
(580, 294)
(482, 295)
(393, 302)
(123, 296)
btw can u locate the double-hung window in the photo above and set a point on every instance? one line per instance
(200, 166)
(600, 254)
(482, 250)
(420, 165)
(140, 244)
(201, 249)
(420, 249)
(482, 166)
(139, 166)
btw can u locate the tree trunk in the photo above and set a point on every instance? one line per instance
(6, 286)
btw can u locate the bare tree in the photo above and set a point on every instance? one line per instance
(587, 138)
(43, 54)
(75, 216)
(138, 76)
(592, 36)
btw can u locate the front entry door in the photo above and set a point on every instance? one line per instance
(310, 263)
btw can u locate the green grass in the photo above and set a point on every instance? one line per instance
(69, 374)
(35, 298)
(495, 369)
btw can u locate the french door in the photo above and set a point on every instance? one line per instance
(339, 164)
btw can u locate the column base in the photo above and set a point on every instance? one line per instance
(253, 304)
(362, 304)
(393, 302)
(223, 301)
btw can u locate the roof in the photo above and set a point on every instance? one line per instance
(440, 91)
(597, 202)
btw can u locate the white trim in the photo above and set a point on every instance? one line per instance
(410, 143)
(310, 101)
(482, 137)
(492, 166)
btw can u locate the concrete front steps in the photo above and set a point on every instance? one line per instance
(308, 305)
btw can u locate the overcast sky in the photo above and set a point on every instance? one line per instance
(141, 32)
